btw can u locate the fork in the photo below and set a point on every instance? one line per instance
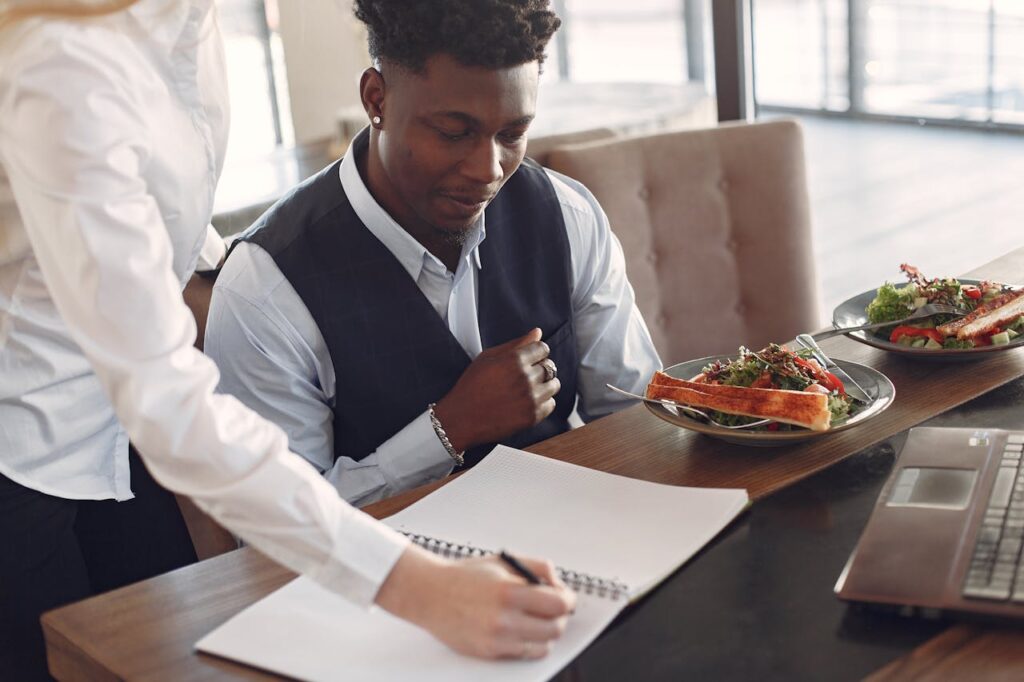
(687, 408)
(927, 310)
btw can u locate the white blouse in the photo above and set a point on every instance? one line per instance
(112, 135)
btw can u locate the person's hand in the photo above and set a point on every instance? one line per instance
(503, 391)
(479, 607)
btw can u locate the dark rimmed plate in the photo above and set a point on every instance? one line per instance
(874, 383)
(853, 312)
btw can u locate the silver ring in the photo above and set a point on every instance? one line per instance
(550, 369)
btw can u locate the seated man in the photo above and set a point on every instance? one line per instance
(412, 304)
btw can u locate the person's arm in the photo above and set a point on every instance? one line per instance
(199, 288)
(272, 357)
(612, 340)
(211, 256)
(75, 146)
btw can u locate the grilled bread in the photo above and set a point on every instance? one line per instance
(984, 319)
(801, 408)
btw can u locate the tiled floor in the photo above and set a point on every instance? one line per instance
(946, 200)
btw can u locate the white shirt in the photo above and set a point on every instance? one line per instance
(273, 357)
(112, 135)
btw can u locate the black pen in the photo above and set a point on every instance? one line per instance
(517, 566)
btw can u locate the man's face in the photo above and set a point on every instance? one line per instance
(451, 137)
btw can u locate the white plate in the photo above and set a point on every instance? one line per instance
(853, 312)
(874, 383)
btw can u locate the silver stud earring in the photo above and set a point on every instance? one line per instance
(376, 120)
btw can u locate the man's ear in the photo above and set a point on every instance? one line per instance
(371, 92)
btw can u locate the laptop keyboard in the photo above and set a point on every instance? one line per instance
(996, 571)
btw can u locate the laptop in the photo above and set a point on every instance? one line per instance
(945, 534)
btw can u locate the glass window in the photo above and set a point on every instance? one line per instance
(1008, 62)
(801, 53)
(927, 58)
(935, 59)
(255, 66)
(642, 41)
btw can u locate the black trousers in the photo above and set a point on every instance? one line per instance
(54, 551)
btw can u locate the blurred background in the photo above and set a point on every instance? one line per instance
(913, 110)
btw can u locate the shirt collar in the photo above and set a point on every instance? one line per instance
(409, 252)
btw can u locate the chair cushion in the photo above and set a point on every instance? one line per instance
(716, 230)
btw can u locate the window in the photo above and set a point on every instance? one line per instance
(255, 66)
(960, 60)
(800, 50)
(1008, 62)
(927, 59)
(643, 41)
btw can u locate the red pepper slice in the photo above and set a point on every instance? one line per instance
(837, 382)
(904, 330)
(820, 374)
(970, 291)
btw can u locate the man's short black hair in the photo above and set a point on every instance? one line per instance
(494, 34)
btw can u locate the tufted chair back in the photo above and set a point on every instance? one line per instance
(716, 230)
(537, 148)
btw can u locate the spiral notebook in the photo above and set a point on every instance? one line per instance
(612, 538)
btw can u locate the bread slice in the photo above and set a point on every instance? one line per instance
(1000, 310)
(994, 319)
(801, 408)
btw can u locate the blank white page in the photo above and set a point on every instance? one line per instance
(308, 633)
(608, 526)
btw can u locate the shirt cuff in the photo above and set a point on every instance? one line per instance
(213, 251)
(414, 455)
(365, 551)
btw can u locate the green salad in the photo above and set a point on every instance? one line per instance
(893, 303)
(778, 368)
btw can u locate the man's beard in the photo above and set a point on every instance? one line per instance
(457, 238)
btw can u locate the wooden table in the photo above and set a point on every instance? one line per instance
(147, 630)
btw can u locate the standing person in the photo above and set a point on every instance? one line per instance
(432, 293)
(113, 121)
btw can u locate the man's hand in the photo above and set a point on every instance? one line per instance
(502, 392)
(479, 607)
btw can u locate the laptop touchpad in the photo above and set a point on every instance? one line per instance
(933, 487)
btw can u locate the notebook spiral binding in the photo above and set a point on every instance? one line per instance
(580, 582)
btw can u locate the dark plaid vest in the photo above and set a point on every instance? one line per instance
(392, 353)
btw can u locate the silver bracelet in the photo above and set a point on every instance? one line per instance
(443, 437)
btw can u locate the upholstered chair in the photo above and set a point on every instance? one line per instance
(537, 148)
(716, 230)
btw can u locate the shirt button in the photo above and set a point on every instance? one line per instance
(741, 309)
(723, 184)
(652, 258)
(661, 319)
(731, 245)
(644, 193)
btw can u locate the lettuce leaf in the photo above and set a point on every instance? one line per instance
(892, 303)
